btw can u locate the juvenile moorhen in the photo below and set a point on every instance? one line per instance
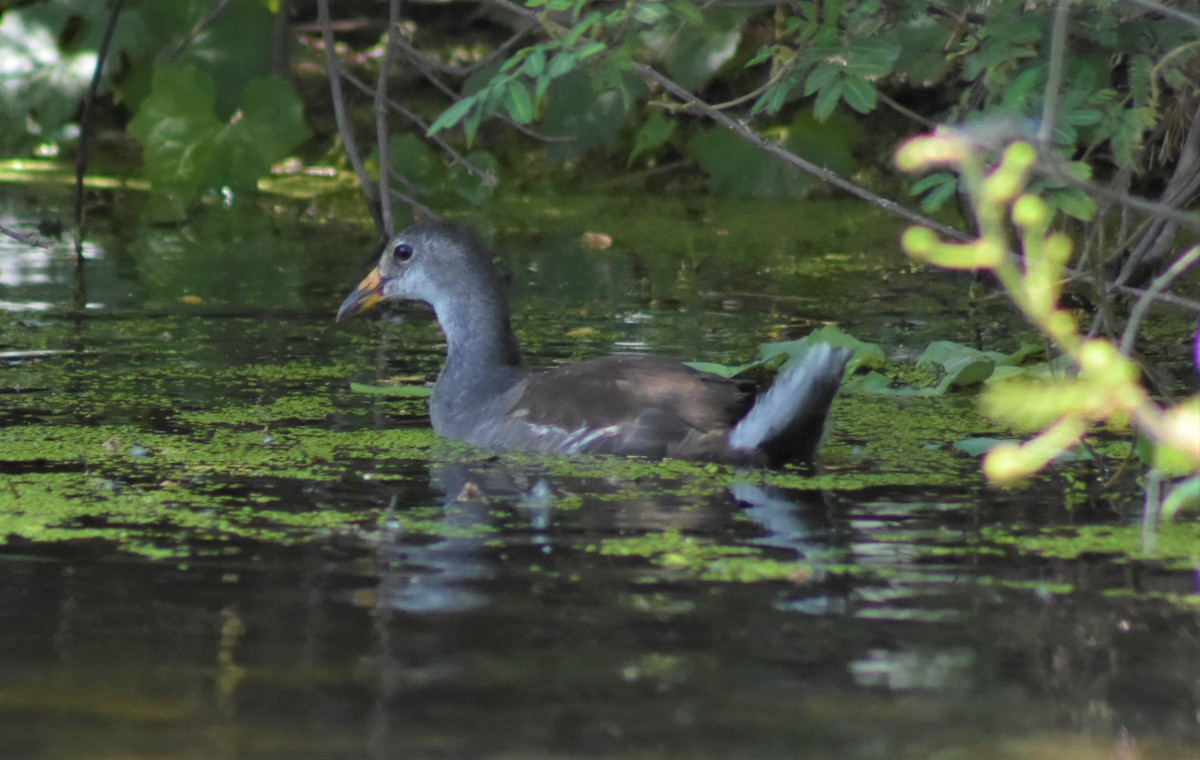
(629, 404)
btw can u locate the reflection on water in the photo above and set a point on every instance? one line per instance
(214, 549)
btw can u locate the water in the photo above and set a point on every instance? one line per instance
(215, 547)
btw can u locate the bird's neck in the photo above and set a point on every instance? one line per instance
(483, 358)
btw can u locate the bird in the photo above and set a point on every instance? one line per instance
(624, 404)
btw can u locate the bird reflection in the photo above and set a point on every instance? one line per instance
(491, 506)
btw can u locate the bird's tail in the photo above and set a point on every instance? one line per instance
(787, 423)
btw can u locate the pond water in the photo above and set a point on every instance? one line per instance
(216, 542)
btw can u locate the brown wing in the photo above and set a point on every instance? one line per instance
(647, 404)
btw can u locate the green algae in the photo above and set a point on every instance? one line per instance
(159, 494)
(704, 559)
(165, 516)
(1042, 587)
(294, 407)
(1175, 544)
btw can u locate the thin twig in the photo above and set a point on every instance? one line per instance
(1186, 219)
(408, 183)
(515, 9)
(85, 128)
(485, 176)
(1161, 283)
(1167, 11)
(651, 75)
(904, 111)
(345, 129)
(1052, 95)
(190, 35)
(381, 121)
(423, 64)
(414, 203)
(1181, 188)
(1174, 300)
(21, 237)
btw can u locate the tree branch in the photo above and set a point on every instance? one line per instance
(741, 130)
(485, 176)
(85, 127)
(381, 121)
(345, 129)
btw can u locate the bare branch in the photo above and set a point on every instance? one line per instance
(414, 203)
(187, 38)
(345, 129)
(381, 122)
(741, 130)
(425, 65)
(1156, 289)
(1167, 11)
(85, 128)
(1054, 75)
(485, 176)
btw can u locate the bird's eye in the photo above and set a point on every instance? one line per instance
(402, 252)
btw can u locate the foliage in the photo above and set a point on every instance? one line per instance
(186, 147)
(981, 62)
(1106, 390)
(206, 109)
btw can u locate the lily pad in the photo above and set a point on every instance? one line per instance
(964, 366)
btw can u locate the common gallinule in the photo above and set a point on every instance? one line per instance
(630, 404)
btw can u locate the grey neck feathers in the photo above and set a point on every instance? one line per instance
(483, 358)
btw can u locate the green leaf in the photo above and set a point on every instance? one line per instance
(535, 64)
(562, 62)
(869, 355)
(515, 59)
(228, 47)
(776, 95)
(821, 77)
(591, 113)
(653, 134)
(650, 12)
(1074, 203)
(978, 446)
(518, 103)
(827, 100)
(693, 54)
(177, 127)
(471, 125)
(763, 54)
(1182, 496)
(453, 114)
(589, 50)
(413, 158)
(724, 370)
(870, 58)
(878, 384)
(859, 94)
(581, 28)
(737, 168)
(269, 124)
(964, 366)
(686, 11)
(935, 189)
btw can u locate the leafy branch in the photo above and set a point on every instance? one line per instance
(1106, 389)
